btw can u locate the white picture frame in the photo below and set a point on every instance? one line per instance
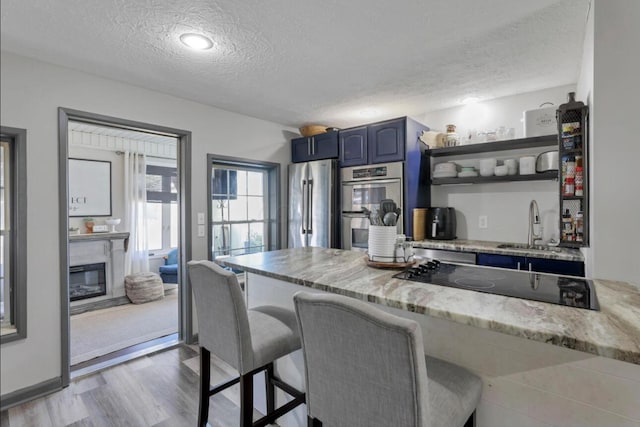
(89, 188)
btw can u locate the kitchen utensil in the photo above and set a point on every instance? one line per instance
(547, 161)
(527, 165)
(419, 223)
(382, 243)
(512, 166)
(541, 121)
(390, 219)
(445, 174)
(387, 205)
(487, 166)
(441, 224)
(445, 167)
(501, 170)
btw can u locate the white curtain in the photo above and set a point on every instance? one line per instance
(135, 170)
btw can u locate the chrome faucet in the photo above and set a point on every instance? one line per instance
(534, 218)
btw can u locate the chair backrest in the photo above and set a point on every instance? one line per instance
(223, 324)
(172, 257)
(363, 367)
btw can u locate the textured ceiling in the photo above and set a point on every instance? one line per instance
(300, 62)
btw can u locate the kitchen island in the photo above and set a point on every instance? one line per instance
(524, 350)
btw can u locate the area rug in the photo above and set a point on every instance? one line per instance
(100, 332)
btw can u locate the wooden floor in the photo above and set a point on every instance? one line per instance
(156, 390)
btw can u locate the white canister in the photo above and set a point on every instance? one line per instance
(487, 166)
(512, 166)
(382, 243)
(527, 165)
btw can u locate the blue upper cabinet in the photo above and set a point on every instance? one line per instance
(317, 147)
(386, 141)
(353, 146)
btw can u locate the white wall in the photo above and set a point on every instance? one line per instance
(506, 205)
(615, 148)
(32, 91)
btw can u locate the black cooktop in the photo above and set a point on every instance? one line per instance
(563, 290)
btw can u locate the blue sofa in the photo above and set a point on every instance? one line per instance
(169, 271)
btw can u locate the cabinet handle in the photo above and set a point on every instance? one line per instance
(308, 146)
(313, 145)
(518, 266)
(529, 266)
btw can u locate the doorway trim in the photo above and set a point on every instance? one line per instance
(185, 309)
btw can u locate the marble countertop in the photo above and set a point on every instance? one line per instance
(612, 332)
(564, 254)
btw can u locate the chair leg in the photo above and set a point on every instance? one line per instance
(205, 378)
(471, 422)
(313, 422)
(246, 400)
(271, 389)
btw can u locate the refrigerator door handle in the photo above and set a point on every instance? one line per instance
(310, 208)
(304, 206)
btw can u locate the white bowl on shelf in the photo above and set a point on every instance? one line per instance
(112, 222)
(501, 170)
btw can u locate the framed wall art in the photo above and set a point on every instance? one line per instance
(89, 188)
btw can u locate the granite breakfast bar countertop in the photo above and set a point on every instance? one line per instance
(612, 332)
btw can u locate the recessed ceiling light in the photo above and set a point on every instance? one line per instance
(470, 100)
(196, 41)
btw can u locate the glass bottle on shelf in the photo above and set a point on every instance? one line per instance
(452, 138)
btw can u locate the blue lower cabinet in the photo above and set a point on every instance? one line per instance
(540, 265)
(502, 261)
(555, 266)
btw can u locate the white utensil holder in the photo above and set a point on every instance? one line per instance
(382, 243)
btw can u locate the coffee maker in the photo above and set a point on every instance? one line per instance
(441, 223)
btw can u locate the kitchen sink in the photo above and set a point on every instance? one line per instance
(529, 247)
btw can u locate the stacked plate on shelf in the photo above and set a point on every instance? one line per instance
(467, 172)
(445, 170)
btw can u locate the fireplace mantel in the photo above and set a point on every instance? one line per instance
(102, 236)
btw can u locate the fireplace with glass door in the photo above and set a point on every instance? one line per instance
(87, 281)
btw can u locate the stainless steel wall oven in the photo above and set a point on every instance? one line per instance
(365, 187)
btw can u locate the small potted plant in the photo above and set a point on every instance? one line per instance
(88, 224)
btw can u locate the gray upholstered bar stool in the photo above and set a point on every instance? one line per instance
(249, 340)
(365, 367)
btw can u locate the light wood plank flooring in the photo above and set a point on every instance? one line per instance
(160, 390)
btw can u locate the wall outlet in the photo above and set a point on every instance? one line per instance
(201, 231)
(482, 221)
(201, 218)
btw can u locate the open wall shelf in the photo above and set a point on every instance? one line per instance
(486, 147)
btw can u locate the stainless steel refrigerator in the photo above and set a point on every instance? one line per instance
(312, 204)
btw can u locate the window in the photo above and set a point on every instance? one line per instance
(13, 236)
(162, 207)
(243, 213)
